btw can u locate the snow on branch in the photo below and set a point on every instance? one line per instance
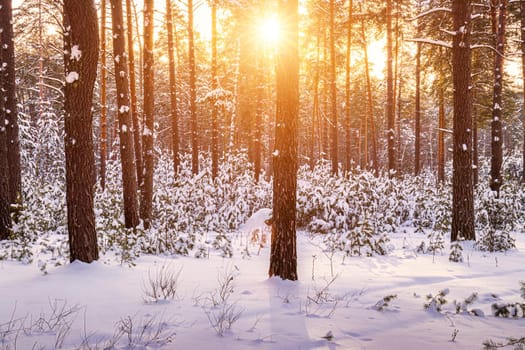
(431, 42)
(431, 11)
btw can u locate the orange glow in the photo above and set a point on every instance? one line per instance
(269, 30)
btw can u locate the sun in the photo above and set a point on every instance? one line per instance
(269, 30)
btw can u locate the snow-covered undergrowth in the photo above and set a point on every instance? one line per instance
(374, 261)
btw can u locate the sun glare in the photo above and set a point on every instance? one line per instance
(269, 30)
(377, 58)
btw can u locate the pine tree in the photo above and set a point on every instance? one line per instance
(462, 187)
(127, 150)
(80, 56)
(283, 258)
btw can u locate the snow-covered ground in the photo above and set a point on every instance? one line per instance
(81, 306)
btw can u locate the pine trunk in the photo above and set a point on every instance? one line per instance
(441, 133)
(5, 215)
(499, 8)
(10, 104)
(283, 257)
(133, 95)
(127, 151)
(81, 55)
(522, 15)
(103, 100)
(390, 116)
(193, 93)
(214, 86)
(149, 116)
(173, 90)
(348, 116)
(333, 94)
(462, 188)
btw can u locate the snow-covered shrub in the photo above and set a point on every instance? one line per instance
(465, 306)
(456, 252)
(510, 310)
(435, 303)
(384, 303)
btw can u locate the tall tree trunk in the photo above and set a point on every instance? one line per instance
(127, 150)
(103, 100)
(348, 116)
(316, 123)
(370, 110)
(499, 7)
(333, 93)
(283, 257)
(10, 104)
(5, 215)
(133, 95)
(149, 116)
(81, 56)
(462, 188)
(173, 89)
(441, 133)
(522, 15)
(214, 86)
(193, 93)
(390, 116)
(259, 110)
(417, 131)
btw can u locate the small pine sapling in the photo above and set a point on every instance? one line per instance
(435, 303)
(456, 252)
(384, 303)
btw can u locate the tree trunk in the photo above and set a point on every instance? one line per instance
(214, 86)
(348, 116)
(441, 133)
(500, 8)
(522, 15)
(333, 93)
(103, 101)
(5, 215)
(193, 94)
(10, 104)
(417, 131)
(462, 188)
(127, 151)
(81, 55)
(173, 90)
(390, 117)
(149, 116)
(283, 257)
(133, 95)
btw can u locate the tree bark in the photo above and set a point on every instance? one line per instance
(146, 206)
(499, 8)
(333, 94)
(10, 104)
(5, 215)
(81, 55)
(462, 188)
(390, 117)
(348, 114)
(522, 15)
(417, 131)
(441, 133)
(173, 90)
(103, 101)
(193, 93)
(214, 86)
(133, 95)
(127, 150)
(283, 257)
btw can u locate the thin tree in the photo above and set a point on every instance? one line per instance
(499, 15)
(133, 94)
(283, 257)
(441, 132)
(214, 86)
(103, 101)
(173, 89)
(417, 131)
(10, 104)
(462, 187)
(193, 93)
(333, 93)
(348, 115)
(127, 150)
(5, 215)
(390, 116)
(146, 190)
(522, 15)
(80, 56)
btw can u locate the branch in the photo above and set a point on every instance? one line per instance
(481, 46)
(431, 11)
(432, 42)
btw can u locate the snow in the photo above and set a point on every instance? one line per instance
(72, 77)
(320, 311)
(76, 53)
